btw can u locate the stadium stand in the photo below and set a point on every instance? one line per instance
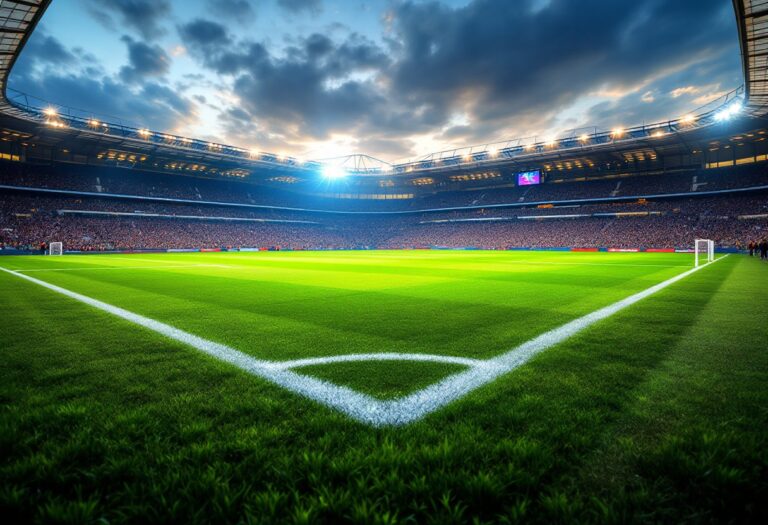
(182, 213)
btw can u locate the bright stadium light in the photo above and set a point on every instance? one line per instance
(551, 143)
(618, 132)
(144, 133)
(657, 134)
(50, 112)
(688, 119)
(729, 112)
(584, 137)
(493, 152)
(331, 172)
(94, 123)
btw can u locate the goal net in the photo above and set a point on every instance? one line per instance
(704, 250)
(56, 248)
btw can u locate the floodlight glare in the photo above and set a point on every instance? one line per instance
(728, 112)
(688, 119)
(50, 112)
(584, 138)
(618, 132)
(331, 172)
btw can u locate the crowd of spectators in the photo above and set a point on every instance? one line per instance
(26, 220)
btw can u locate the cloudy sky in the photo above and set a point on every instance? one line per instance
(392, 78)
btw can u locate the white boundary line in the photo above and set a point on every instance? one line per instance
(83, 268)
(362, 407)
(389, 356)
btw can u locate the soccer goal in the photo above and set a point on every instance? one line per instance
(56, 248)
(704, 250)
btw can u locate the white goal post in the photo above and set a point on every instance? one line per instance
(706, 248)
(56, 248)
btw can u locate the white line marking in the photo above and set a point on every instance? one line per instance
(389, 356)
(123, 268)
(362, 407)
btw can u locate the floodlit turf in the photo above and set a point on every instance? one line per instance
(657, 413)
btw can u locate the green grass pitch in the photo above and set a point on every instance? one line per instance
(657, 413)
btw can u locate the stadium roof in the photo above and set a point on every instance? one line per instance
(17, 20)
(752, 18)
(83, 139)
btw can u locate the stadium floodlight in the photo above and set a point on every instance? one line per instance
(688, 119)
(617, 132)
(728, 112)
(94, 123)
(584, 137)
(144, 133)
(331, 172)
(551, 143)
(254, 153)
(658, 133)
(493, 151)
(50, 112)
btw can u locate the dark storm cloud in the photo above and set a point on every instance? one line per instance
(76, 79)
(147, 17)
(204, 36)
(502, 65)
(297, 6)
(689, 89)
(151, 106)
(240, 11)
(46, 48)
(145, 61)
(311, 86)
(487, 70)
(503, 60)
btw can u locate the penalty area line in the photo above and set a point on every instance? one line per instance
(83, 268)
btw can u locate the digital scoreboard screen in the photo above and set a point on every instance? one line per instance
(529, 178)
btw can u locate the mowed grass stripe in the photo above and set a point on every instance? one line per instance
(277, 320)
(339, 313)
